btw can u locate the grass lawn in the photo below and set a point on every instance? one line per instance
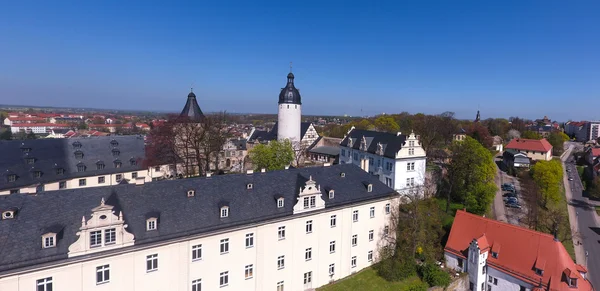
(367, 279)
(448, 218)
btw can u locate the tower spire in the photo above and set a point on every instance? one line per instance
(290, 67)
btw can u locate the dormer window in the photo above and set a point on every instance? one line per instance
(369, 187)
(310, 202)
(118, 164)
(48, 240)
(100, 166)
(539, 272)
(249, 186)
(133, 162)
(116, 152)
(60, 171)
(224, 211)
(37, 174)
(30, 161)
(191, 193)
(80, 168)
(572, 282)
(25, 150)
(8, 214)
(12, 178)
(494, 255)
(114, 143)
(331, 194)
(79, 155)
(280, 202)
(151, 224)
(76, 145)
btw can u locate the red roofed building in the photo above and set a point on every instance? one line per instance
(502, 256)
(537, 150)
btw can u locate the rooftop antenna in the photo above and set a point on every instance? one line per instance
(192, 87)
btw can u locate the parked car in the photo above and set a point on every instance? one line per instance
(510, 194)
(511, 200)
(570, 178)
(513, 205)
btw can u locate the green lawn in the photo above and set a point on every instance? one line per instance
(367, 279)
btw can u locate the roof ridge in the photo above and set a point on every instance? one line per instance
(504, 223)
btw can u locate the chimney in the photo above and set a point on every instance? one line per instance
(140, 181)
(263, 170)
(326, 164)
(250, 172)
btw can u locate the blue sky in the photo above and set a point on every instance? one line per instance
(506, 58)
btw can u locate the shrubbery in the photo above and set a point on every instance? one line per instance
(393, 269)
(434, 275)
(417, 286)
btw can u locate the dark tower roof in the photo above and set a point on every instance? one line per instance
(478, 117)
(290, 94)
(191, 109)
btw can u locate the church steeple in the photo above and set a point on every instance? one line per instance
(191, 109)
(478, 117)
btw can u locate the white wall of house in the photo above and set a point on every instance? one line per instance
(310, 136)
(176, 270)
(93, 181)
(504, 281)
(452, 262)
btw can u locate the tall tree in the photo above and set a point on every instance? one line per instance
(273, 156)
(528, 134)
(548, 177)
(387, 124)
(471, 175)
(557, 140)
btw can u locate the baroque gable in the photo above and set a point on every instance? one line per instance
(309, 197)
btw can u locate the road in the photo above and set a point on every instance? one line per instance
(501, 212)
(585, 220)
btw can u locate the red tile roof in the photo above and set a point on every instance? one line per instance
(595, 152)
(522, 251)
(52, 125)
(522, 144)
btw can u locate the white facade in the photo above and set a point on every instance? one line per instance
(406, 171)
(148, 175)
(249, 265)
(289, 117)
(35, 127)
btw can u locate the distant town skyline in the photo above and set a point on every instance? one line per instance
(511, 59)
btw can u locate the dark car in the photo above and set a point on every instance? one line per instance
(513, 205)
(510, 194)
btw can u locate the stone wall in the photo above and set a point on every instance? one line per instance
(459, 284)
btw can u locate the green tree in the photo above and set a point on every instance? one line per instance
(386, 123)
(594, 188)
(471, 175)
(82, 125)
(31, 135)
(557, 139)
(434, 275)
(528, 134)
(273, 156)
(548, 177)
(6, 135)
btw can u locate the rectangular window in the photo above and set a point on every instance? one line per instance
(49, 242)
(332, 246)
(332, 221)
(387, 208)
(151, 225)
(354, 240)
(133, 175)
(412, 182)
(14, 191)
(102, 274)
(95, 238)
(249, 271)
(306, 202)
(331, 269)
(110, 236)
(372, 212)
(343, 152)
(309, 226)
(370, 256)
(388, 182)
(353, 262)
(62, 185)
(280, 262)
(308, 254)
(407, 182)
(371, 234)
(151, 263)
(224, 246)
(281, 232)
(279, 202)
(197, 285)
(119, 177)
(355, 215)
(197, 252)
(82, 182)
(280, 286)
(249, 240)
(101, 180)
(224, 279)
(411, 152)
(313, 201)
(44, 284)
(386, 230)
(307, 278)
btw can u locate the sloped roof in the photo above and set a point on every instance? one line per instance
(264, 135)
(523, 144)
(391, 143)
(180, 215)
(191, 109)
(522, 250)
(50, 154)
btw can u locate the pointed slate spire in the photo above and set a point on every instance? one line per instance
(191, 109)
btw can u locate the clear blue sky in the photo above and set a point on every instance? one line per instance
(507, 58)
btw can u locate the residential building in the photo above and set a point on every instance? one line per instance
(537, 150)
(398, 160)
(37, 128)
(542, 130)
(294, 229)
(502, 256)
(460, 135)
(498, 143)
(325, 150)
(515, 159)
(583, 131)
(38, 165)
(233, 155)
(22, 120)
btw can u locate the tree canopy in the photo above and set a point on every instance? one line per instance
(273, 156)
(557, 140)
(471, 175)
(548, 177)
(528, 134)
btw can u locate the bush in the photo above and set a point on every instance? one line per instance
(393, 269)
(416, 286)
(434, 275)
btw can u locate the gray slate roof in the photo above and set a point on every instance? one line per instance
(51, 154)
(264, 135)
(326, 150)
(191, 109)
(392, 143)
(290, 94)
(180, 216)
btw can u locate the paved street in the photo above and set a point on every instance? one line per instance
(501, 212)
(585, 220)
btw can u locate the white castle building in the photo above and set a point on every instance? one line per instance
(295, 229)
